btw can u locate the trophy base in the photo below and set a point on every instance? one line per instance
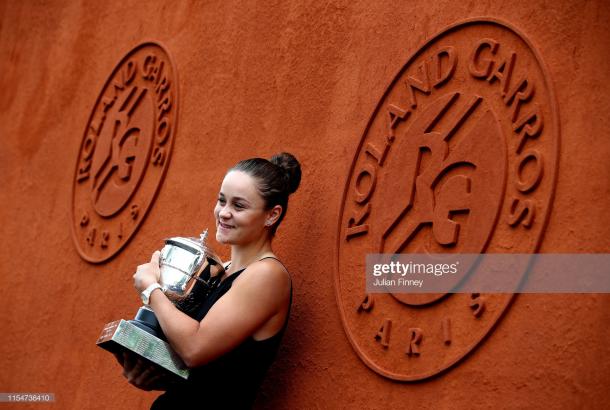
(124, 335)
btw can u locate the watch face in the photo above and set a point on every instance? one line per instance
(460, 157)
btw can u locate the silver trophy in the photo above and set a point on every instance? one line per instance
(190, 271)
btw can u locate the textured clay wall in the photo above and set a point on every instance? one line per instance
(351, 88)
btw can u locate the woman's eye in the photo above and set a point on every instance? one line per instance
(239, 206)
(221, 201)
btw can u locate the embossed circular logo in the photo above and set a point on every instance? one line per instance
(125, 152)
(460, 156)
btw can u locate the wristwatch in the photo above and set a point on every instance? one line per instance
(145, 295)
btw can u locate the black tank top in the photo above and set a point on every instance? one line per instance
(232, 380)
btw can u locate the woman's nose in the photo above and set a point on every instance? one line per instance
(224, 212)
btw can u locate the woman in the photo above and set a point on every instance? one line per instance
(243, 320)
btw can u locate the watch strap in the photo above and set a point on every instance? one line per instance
(148, 291)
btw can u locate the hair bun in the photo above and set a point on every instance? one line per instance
(291, 167)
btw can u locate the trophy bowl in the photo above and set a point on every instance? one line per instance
(186, 265)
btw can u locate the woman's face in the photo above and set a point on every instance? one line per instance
(240, 210)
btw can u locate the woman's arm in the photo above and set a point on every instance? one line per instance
(260, 293)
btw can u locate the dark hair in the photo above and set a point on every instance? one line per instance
(277, 179)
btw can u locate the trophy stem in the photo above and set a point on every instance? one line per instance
(146, 320)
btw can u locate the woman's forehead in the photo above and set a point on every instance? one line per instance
(239, 184)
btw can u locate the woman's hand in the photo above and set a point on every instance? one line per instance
(141, 373)
(148, 273)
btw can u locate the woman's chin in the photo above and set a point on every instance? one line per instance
(222, 238)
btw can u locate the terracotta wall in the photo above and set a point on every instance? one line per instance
(254, 78)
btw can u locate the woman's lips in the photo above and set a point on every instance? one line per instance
(224, 226)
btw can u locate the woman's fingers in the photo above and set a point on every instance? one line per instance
(149, 379)
(129, 363)
(145, 376)
(155, 258)
(147, 273)
(140, 372)
(119, 357)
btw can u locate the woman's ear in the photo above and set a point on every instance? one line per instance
(273, 215)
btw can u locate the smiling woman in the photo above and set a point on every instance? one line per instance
(233, 340)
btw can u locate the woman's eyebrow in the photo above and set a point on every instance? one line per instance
(235, 198)
(239, 198)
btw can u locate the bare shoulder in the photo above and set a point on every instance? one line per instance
(266, 274)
